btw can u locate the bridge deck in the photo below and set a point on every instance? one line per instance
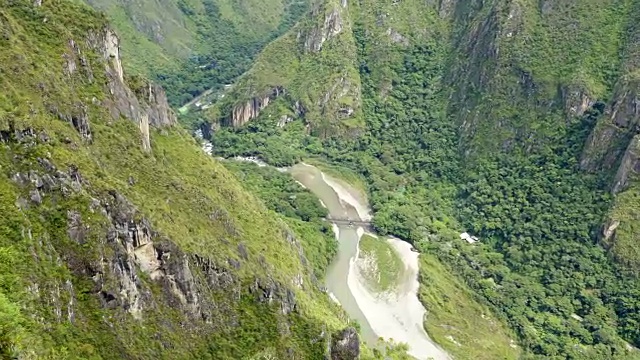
(349, 222)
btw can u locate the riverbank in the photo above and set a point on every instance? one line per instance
(396, 314)
(456, 321)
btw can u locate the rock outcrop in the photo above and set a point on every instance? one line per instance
(104, 247)
(145, 103)
(341, 100)
(576, 100)
(629, 165)
(614, 138)
(345, 345)
(132, 253)
(316, 36)
(249, 110)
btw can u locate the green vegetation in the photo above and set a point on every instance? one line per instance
(108, 251)
(485, 133)
(190, 46)
(337, 171)
(323, 87)
(473, 118)
(299, 208)
(407, 163)
(379, 264)
(454, 315)
(624, 235)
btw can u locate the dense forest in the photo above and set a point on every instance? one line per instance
(218, 62)
(538, 265)
(190, 46)
(121, 239)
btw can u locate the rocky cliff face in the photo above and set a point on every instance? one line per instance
(519, 80)
(245, 112)
(118, 250)
(614, 141)
(147, 106)
(332, 25)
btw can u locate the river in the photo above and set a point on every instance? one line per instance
(399, 315)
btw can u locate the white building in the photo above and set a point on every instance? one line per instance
(470, 239)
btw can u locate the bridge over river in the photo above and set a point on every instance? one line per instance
(350, 222)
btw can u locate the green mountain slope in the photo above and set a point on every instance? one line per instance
(397, 74)
(119, 237)
(190, 46)
(513, 120)
(310, 72)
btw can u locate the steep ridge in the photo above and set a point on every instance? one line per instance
(512, 120)
(553, 58)
(190, 46)
(119, 238)
(613, 147)
(311, 72)
(399, 59)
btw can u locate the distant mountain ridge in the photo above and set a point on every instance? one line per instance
(190, 46)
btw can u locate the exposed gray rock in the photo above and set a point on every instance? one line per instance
(317, 35)
(284, 120)
(217, 277)
(446, 8)
(70, 58)
(242, 250)
(249, 110)
(146, 105)
(397, 38)
(299, 109)
(75, 228)
(618, 126)
(345, 345)
(138, 246)
(78, 117)
(630, 165)
(234, 263)
(35, 196)
(576, 100)
(609, 231)
(269, 291)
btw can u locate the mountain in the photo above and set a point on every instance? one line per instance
(190, 46)
(512, 120)
(119, 237)
(322, 44)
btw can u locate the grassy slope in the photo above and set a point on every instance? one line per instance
(532, 55)
(516, 69)
(296, 205)
(157, 31)
(176, 187)
(307, 76)
(190, 46)
(452, 312)
(382, 266)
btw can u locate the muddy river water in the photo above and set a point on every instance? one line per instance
(398, 315)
